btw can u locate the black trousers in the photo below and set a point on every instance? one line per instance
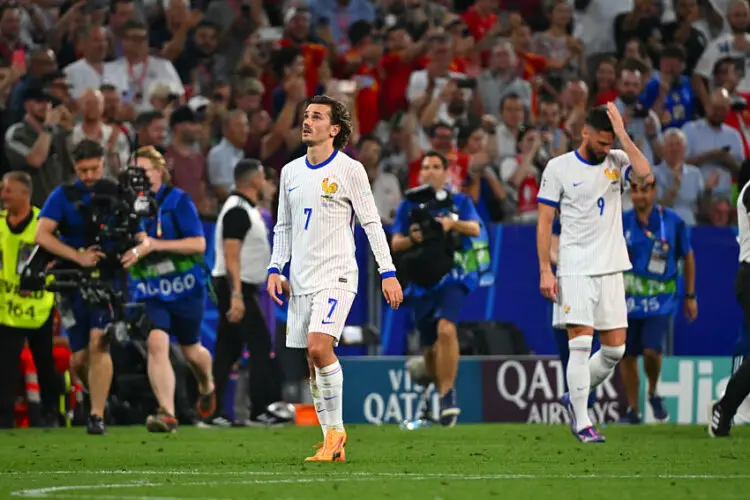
(252, 331)
(738, 386)
(50, 384)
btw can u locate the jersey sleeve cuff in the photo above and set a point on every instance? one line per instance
(388, 274)
(628, 171)
(273, 270)
(548, 202)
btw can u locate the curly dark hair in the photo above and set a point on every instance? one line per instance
(339, 116)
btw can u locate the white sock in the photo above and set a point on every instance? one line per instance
(319, 410)
(330, 380)
(579, 379)
(603, 363)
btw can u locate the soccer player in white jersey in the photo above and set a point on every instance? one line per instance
(723, 411)
(589, 292)
(319, 195)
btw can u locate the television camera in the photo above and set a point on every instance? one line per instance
(427, 262)
(112, 218)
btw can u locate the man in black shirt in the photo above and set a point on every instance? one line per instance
(243, 252)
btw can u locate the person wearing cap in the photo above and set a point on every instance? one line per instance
(37, 144)
(186, 164)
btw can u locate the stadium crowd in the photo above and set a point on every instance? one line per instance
(497, 86)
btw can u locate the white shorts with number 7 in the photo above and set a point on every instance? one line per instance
(322, 312)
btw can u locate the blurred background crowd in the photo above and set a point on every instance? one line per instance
(498, 86)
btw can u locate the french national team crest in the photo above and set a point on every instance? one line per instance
(612, 174)
(329, 187)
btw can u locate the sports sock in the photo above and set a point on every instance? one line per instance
(737, 389)
(319, 410)
(603, 363)
(330, 381)
(579, 379)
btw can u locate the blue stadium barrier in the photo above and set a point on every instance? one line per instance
(515, 296)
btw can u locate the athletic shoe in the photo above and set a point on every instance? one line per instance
(718, 424)
(565, 400)
(206, 405)
(266, 420)
(332, 449)
(631, 417)
(95, 425)
(449, 410)
(319, 448)
(589, 435)
(161, 422)
(657, 406)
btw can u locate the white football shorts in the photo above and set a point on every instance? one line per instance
(595, 301)
(322, 312)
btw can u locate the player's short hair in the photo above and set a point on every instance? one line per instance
(435, 154)
(88, 150)
(20, 177)
(339, 116)
(598, 119)
(245, 169)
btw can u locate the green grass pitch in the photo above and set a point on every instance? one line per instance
(529, 462)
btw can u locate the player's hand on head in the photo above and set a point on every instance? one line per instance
(548, 285)
(616, 119)
(392, 292)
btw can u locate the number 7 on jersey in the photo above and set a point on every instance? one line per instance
(308, 213)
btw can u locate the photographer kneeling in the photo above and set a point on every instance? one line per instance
(168, 277)
(434, 230)
(84, 323)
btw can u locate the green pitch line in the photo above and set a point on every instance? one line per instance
(468, 462)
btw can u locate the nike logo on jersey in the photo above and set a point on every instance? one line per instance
(291, 189)
(328, 322)
(576, 184)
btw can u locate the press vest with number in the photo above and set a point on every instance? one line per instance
(166, 276)
(651, 290)
(33, 310)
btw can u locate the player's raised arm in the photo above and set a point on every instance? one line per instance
(639, 162)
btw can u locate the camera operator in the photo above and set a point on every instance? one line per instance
(91, 359)
(437, 238)
(23, 315)
(168, 277)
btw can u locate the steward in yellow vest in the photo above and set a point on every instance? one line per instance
(24, 316)
(20, 309)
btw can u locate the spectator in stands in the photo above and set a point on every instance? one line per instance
(187, 166)
(224, 156)
(557, 44)
(339, 15)
(548, 122)
(362, 66)
(720, 212)
(37, 144)
(115, 143)
(297, 34)
(642, 22)
(511, 118)
(10, 33)
(396, 67)
(669, 93)
(679, 185)
(88, 71)
(121, 11)
(642, 123)
(682, 32)
(385, 187)
(151, 130)
(522, 171)
(42, 61)
(726, 77)
(604, 87)
(734, 44)
(501, 79)
(715, 146)
(136, 72)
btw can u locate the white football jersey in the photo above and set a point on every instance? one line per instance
(743, 225)
(589, 197)
(315, 224)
